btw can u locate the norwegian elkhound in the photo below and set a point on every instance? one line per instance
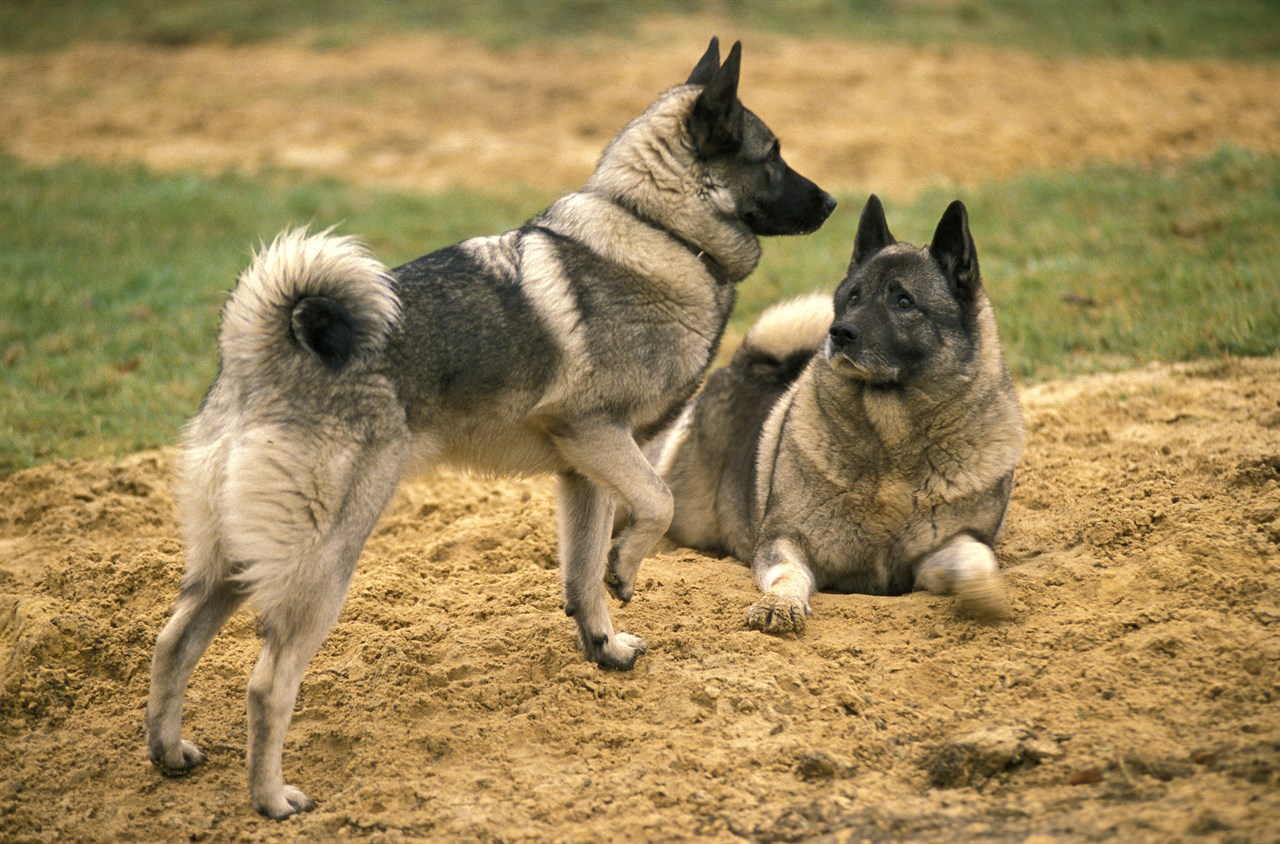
(869, 448)
(555, 347)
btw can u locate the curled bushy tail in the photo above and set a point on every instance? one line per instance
(785, 337)
(318, 297)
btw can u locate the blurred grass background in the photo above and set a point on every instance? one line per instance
(111, 278)
(1232, 29)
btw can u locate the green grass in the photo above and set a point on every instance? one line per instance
(1233, 29)
(111, 280)
(111, 283)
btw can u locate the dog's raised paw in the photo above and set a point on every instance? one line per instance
(619, 585)
(288, 802)
(778, 614)
(179, 763)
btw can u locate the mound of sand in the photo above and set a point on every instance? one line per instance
(1133, 695)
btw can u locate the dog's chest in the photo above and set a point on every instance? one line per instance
(867, 493)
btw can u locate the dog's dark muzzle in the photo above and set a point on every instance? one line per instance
(799, 207)
(848, 353)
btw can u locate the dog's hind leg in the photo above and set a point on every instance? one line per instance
(584, 514)
(201, 610)
(609, 457)
(292, 633)
(968, 569)
(208, 598)
(299, 600)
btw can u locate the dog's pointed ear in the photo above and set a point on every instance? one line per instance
(716, 124)
(953, 249)
(707, 65)
(873, 233)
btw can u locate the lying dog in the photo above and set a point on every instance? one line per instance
(552, 348)
(867, 450)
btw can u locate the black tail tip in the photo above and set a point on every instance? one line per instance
(325, 327)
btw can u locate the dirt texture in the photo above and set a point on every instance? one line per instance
(429, 112)
(1133, 696)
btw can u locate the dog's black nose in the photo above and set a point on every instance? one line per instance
(828, 204)
(844, 334)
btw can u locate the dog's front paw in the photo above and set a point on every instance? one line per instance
(778, 614)
(179, 761)
(285, 803)
(620, 580)
(983, 598)
(618, 651)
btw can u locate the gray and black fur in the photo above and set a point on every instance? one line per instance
(552, 348)
(862, 445)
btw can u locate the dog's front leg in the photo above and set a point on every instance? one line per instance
(786, 581)
(609, 456)
(584, 513)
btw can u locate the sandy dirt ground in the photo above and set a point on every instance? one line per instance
(431, 112)
(1133, 696)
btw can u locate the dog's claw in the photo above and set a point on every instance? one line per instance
(618, 652)
(187, 759)
(619, 587)
(778, 614)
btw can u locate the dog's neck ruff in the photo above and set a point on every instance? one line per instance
(713, 267)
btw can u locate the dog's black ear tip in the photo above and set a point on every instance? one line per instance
(872, 234)
(873, 210)
(707, 66)
(954, 248)
(955, 217)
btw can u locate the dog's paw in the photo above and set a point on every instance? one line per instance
(179, 761)
(286, 803)
(778, 614)
(983, 598)
(620, 579)
(616, 579)
(618, 651)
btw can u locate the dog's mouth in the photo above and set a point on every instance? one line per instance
(861, 365)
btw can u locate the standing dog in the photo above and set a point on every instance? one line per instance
(551, 348)
(870, 450)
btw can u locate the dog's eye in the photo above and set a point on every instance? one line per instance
(904, 302)
(853, 297)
